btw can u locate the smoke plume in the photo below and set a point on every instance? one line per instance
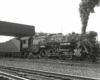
(85, 8)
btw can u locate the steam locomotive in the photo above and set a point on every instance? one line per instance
(71, 46)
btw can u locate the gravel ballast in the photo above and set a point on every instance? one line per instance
(57, 68)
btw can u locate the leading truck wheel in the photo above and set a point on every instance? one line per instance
(42, 53)
(92, 58)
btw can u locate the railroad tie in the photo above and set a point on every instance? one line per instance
(21, 74)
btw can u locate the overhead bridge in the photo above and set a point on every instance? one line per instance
(16, 30)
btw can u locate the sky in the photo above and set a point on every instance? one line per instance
(49, 16)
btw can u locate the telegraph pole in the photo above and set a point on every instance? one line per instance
(62, 30)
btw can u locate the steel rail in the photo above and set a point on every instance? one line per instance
(48, 74)
(11, 77)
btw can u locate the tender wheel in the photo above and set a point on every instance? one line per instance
(30, 55)
(91, 58)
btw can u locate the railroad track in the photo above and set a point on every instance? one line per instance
(42, 75)
(7, 76)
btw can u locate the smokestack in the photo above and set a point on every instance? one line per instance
(85, 8)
